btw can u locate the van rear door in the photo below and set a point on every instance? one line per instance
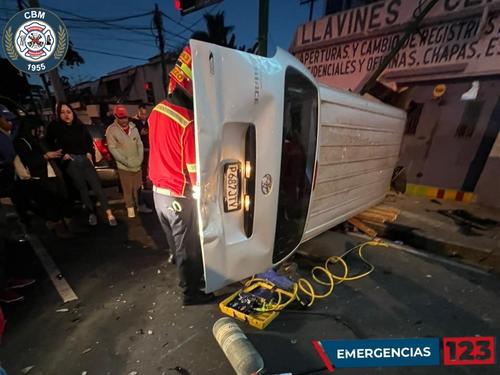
(247, 110)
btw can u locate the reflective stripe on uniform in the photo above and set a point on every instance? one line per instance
(191, 168)
(163, 191)
(186, 71)
(174, 115)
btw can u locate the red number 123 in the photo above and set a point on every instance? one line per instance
(463, 351)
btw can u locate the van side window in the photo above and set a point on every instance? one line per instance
(300, 126)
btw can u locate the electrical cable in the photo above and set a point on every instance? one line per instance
(214, 7)
(187, 28)
(128, 28)
(110, 19)
(108, 53)
(94, 35)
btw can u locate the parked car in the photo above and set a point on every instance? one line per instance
(104, 163)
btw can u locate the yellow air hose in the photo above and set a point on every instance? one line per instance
(305, 288)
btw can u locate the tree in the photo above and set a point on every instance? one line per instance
(72, 57)
(219, 33)
(14, 84)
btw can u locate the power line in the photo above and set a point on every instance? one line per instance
(104, 23)
(107, 25)
(186, 28)
(94, 34)
(214, 7)
(91, 30)
(112, 19)
(108, 53)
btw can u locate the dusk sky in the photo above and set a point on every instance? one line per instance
(133, 39)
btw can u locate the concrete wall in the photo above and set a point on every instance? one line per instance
(434, 155)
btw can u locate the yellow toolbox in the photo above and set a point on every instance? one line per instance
(256, 319)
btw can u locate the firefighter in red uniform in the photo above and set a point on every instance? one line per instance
(172, 169)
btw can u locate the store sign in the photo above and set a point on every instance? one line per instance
(468, 45)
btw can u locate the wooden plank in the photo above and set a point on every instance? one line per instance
(371, 217)
(397, 211)
(363, 227)
(387, 216)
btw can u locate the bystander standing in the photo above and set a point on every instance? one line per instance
(70, 135)
(124, 143)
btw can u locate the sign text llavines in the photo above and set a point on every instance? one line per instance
(35, 40)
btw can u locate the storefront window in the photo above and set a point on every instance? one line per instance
(300, 126)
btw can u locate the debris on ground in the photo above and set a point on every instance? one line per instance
(27, 369)
(86, 350)
(179, 370)
(62, 310)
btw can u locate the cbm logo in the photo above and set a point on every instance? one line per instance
(35, 40)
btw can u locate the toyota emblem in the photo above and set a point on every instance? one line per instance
(266, 184)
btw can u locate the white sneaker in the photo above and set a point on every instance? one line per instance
(143, 209)
(112, 221)
(130, 212)
(92, 220)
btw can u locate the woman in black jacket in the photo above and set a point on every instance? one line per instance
(44, 184)
(71, 137)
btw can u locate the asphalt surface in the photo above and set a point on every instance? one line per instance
(129, 316)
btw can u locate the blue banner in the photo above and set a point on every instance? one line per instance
(382, 353)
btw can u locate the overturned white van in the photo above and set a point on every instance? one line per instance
(281, 158)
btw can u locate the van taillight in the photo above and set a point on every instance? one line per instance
(249, 174)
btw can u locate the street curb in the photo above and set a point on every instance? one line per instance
(440, 193)
(487, 259)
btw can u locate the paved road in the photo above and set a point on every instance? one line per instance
(129, 316)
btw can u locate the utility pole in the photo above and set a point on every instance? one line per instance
(32, 100)
(158, 21)
(311, 7)
(55, 80)
(263, 26)
(412, 28)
